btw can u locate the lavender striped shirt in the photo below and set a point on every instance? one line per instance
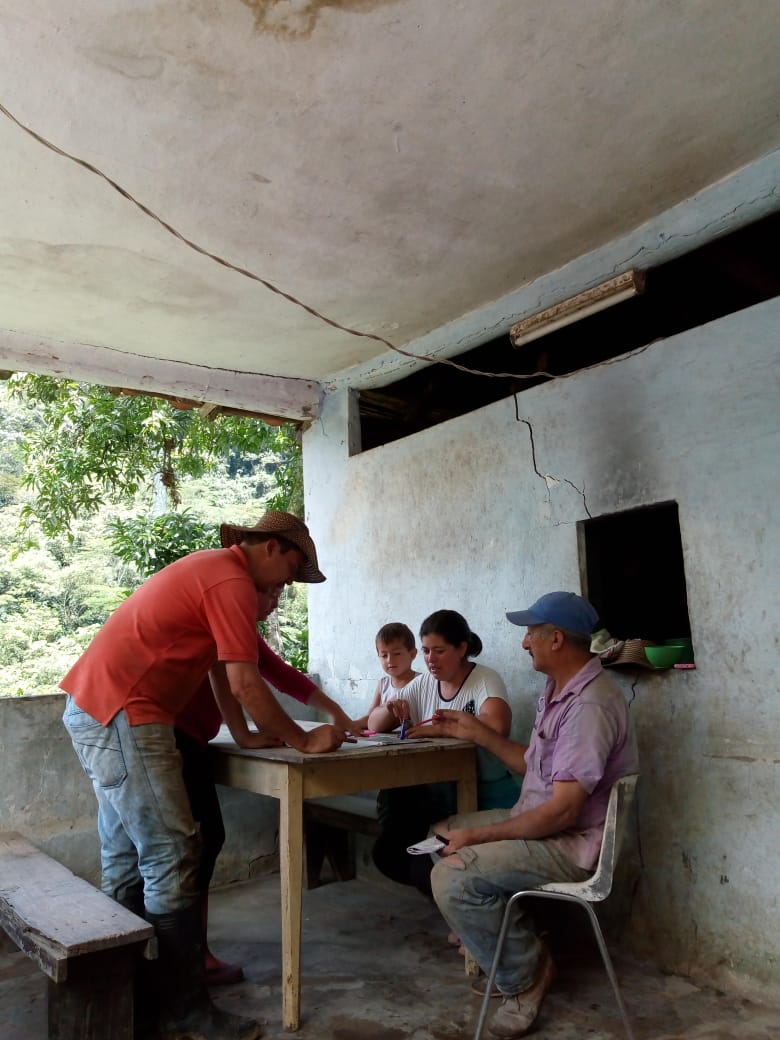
(583, 734)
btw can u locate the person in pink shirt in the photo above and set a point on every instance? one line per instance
(582, 742)
(196, 724)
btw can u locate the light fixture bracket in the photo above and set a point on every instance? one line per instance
(615, 290)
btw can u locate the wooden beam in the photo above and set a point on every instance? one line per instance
(208, 411)
(276, 397)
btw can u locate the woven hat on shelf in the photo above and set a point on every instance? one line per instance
(626, 651)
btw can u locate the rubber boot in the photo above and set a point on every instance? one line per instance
(146, 1000)
(145, 992)
(186, 1010)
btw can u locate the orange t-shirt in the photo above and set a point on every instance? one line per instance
(156, 648)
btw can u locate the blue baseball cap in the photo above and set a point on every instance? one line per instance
(565, 610)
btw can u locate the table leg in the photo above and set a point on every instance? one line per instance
(291, 877)
(467, 802)
(467, 793)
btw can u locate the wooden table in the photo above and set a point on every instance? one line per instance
(292, 776)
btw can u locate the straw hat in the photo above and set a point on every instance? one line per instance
(286, 526)
(626, 651)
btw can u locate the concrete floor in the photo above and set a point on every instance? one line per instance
(376, 965)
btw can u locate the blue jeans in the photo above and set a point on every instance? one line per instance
(149, 842)
(472, 888)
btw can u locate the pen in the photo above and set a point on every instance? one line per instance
(433, 718)
(404, 725)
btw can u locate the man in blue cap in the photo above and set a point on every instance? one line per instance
(582, 742)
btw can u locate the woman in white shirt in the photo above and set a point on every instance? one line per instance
(453, 681)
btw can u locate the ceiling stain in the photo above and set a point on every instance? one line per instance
(297, 19)
(133, 66)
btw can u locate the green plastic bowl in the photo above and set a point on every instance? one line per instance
(686, 645)
(664, 656)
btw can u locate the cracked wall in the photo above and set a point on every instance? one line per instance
(464, 515)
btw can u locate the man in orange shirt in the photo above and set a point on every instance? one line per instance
(195, 616)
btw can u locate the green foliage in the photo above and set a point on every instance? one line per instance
(294, 627)
(78, 468)
(151, 543)
(39, 664)
(295, 645)
(9, 488)
(16, 420)
(288, 473)
(91, 446)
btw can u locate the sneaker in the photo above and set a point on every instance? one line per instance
(517, 1013)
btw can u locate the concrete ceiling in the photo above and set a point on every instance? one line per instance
(393, 164)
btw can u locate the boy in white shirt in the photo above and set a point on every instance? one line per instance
(396, 651)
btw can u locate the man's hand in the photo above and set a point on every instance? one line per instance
(479, 729)
(323, 739)
(560, 812)
(448, 723)
(322, 702)
(456, 839)
(342, 721)
(254, 740)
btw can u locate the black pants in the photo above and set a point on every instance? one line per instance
(202, 791)
(406, 815)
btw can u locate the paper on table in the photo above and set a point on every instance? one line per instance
(427, 846)
(394, 739)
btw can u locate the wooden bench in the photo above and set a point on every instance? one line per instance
(330, 826)
(85, 943)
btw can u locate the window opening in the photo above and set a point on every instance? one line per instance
(633, 572)
(726, 275)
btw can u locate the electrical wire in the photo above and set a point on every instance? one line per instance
(271, 287)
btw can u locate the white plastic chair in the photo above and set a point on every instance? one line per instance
(593, 890)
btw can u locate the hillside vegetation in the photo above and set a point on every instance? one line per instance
(56, 589)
